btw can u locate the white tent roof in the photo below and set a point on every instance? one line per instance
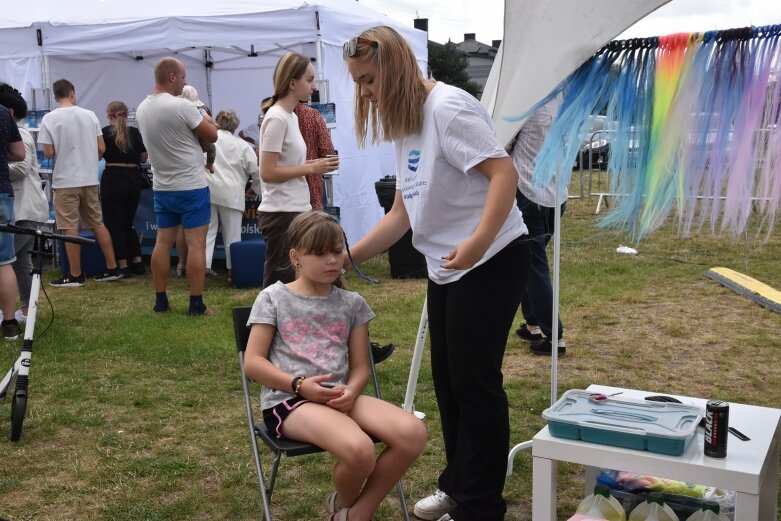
(84, 25)
(543, 43)
(108, 48)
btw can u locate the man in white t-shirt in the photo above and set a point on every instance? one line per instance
(72, 135)
(538, 206)
(171, 127)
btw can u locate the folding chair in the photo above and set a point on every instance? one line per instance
(278, 446)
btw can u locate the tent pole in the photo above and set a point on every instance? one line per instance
(209, 64)
(554, 363)
(417, 357)
(320, 66)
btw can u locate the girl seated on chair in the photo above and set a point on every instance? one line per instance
(309, 335)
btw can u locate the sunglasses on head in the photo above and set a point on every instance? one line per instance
(350, 48)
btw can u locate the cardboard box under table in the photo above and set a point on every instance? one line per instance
(750, 468)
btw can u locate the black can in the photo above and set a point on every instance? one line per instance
(716, 424)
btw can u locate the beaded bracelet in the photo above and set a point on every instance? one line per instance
(296, 384)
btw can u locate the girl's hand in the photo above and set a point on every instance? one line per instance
(344, 403)
(313, 391)
(464, 255)
(323, 165)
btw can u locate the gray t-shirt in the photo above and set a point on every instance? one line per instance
(312, 333)
(166, 124)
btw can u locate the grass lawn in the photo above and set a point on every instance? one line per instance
(134, 416)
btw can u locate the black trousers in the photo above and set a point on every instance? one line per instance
(120, 191)
(537, 298)
(469, 321)
(273, 227)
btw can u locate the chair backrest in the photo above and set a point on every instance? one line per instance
(240, 329)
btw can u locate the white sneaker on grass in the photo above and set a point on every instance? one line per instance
(20, 317)
(435, 506)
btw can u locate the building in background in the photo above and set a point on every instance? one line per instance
(479, 59)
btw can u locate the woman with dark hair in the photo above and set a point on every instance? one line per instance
(283, 164)
(120, 187)
(31, 208)
(455, 188)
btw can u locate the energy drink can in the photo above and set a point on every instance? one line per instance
(716, 424)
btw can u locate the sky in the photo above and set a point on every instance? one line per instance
(450, 19)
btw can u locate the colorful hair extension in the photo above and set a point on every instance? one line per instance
(694, 125)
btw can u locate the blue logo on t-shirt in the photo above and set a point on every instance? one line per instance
(414, 159)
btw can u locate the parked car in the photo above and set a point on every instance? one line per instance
(595, 148)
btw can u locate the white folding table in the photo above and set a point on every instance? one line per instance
(750, 468)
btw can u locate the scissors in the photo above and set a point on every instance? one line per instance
(599, 397)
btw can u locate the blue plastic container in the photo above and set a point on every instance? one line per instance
(247, 258)
(664, 428)
(92, 260)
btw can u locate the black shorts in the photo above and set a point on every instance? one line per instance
(273, 417)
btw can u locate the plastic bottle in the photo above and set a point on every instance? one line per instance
(653, 509)
(600, 505)
(708, 513)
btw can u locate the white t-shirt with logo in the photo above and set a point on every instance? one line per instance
(166, 123)
(73, 131)
(280, 133)
(443, 193)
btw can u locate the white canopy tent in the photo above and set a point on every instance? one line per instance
(108, 49)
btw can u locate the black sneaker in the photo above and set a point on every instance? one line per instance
(137, 268)
(68, 281)
(11, 330)
(380, 353)
(524, 333)
(109, 274)
(544, 348)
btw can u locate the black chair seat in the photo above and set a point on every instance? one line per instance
(285, 445)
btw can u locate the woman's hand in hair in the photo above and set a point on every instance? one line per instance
(323, 165)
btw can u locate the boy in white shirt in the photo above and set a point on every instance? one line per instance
(73, 136)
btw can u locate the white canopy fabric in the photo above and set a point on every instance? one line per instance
(108, 49)
(544, 42)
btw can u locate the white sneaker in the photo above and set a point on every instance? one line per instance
(434, 507)
(446, 517)
(20, 317)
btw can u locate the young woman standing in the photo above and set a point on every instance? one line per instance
(120, 187)
(283, 164)
(455, 188)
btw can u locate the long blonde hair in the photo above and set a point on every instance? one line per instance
(119, 130)
(402, 91)
(291, 66)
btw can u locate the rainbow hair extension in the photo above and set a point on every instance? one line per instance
(584, 93)
(694, 121)
(769, 139)
(629, 108)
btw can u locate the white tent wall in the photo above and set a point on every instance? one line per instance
(23, 74)
(95, 44)
(102, 78)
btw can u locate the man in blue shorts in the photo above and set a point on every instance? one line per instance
(171, 127)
